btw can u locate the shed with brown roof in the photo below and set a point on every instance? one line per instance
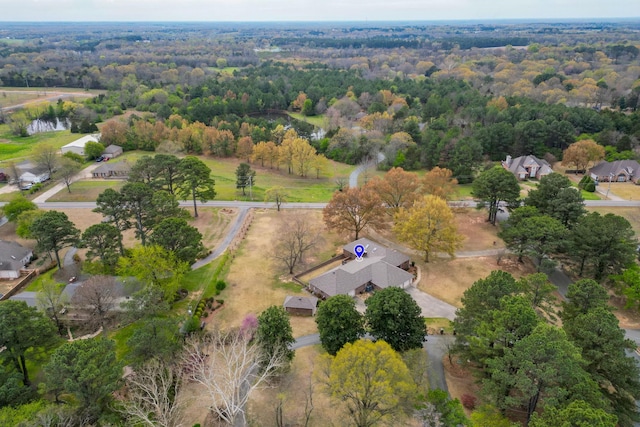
(301, 306)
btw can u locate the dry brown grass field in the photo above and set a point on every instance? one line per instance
(632, 214)
(448, 279)
(256, 281)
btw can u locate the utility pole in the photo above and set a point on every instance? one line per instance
(250, 184)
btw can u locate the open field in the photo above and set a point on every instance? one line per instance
(448, 279)
(223, 171)
(299, 189)
(632, 214)
(10, 96)
(318, 121)
(17, 148)
(256, 282)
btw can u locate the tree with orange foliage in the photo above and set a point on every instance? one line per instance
(298, 103)
(244, 149)
(581, 153)
(354, 209)
(397, 189)
(440, 183)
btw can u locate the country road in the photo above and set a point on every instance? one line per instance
(303, 205)
(49, 96)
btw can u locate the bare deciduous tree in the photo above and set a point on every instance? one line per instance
(296, 236)
(155, 395)
(98, 295)
(51, 300)
(46, 156)
(68, 169)
(230, 367)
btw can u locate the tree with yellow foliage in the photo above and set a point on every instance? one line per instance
(428, 226)
(320, 164)
(260, 153)
(303, 155)
(372, 380)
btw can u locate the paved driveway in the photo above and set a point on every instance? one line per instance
(432, 306)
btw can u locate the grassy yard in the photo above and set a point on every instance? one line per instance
(625, 190)
(86, 190)
(256, 281)
(318, 121)
(16, 148)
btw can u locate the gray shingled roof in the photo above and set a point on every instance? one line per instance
(631, 167)
(113, 148)
(12, 250)
(11, 253)
(374, 249)
(517, 165)
(308, 303)
(372, 268)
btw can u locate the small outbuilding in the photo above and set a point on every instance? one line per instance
(301, 306)
(112, 151)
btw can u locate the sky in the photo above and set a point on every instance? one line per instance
(312, 10)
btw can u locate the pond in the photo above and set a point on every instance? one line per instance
(39, 125)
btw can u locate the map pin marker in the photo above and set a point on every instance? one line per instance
(359, 250)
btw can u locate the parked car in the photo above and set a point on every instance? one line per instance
(99, 159)
(26, 186)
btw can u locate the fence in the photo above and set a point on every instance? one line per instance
(21, 284)
(296, 278)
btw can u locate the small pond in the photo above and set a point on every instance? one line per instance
(39, 125)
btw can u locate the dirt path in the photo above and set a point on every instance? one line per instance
(51, 96)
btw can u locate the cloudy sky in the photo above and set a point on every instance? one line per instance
(311, 10)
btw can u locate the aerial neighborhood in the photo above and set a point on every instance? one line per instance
(319, 223)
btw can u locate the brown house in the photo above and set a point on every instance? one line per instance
(112, 170)
(301, 306)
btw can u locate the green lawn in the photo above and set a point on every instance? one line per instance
(589, 196)
(86, 190)
(464, 191)
(36, 284)
(17, 148)
(121, 336)
(299, 189)
(318, 121)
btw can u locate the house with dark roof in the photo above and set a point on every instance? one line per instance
(301, 306)
(112, 170)
(527, 167)
(13, 258)
(618, 171)
(379, 268)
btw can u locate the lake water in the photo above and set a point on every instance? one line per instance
(38, 126)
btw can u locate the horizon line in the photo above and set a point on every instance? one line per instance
(527, 19)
